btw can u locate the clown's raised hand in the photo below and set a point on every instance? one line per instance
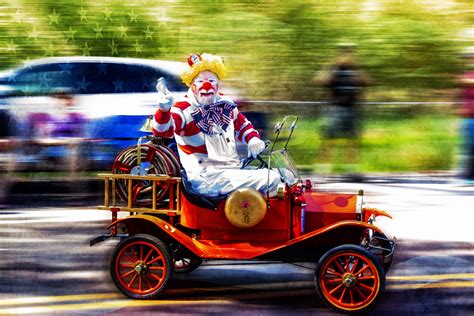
(165, 98)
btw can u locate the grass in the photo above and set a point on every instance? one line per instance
(427, 142)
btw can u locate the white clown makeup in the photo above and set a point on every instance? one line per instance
(205, 87)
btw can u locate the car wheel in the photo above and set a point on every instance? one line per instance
(349, 279)
(141, 267)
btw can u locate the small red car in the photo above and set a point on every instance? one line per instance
(170, 229)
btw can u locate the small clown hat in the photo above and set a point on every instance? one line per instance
(198, 63)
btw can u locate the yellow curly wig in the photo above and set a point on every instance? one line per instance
(201, 63)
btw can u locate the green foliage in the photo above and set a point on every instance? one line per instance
(421, 143)
(409, 48)
(274, 50)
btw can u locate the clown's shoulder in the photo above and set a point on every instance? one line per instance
(182, 104)
(225, 98)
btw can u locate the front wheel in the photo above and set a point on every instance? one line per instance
(349, 279)
(141, 266)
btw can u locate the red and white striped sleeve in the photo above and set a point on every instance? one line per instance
(166, 123)
(244, 130)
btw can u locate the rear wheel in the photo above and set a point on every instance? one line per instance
(141, 266)
(349, 279)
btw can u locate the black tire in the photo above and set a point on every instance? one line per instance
(186, 265)
(349, 279)
(141, 266)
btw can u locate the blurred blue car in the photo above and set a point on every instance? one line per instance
(114, 95)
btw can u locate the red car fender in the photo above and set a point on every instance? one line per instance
(147, 224)
(315, 235)
(376, 212)
(339, 233)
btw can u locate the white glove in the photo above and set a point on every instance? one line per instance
(255, 146)
(165, 98)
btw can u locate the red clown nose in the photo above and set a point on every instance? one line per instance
(206, 86)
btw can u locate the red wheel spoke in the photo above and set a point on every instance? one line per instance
(122, 265)
(148, 255)
(122, 166)
(156, 277)
(342, 294)
(132, 280)
(156, 268)
(334, 272)
(369, 288)
(127, 274)
(129, 258)
(335, 289)
(140, 283)
(339, 265)
(351, 296)
(148, 283)
(362, 295)
(333, 280)
(355, 265)
(132, 254)
(347, 269)
(366, 278)
(362, 269)
(154, 260)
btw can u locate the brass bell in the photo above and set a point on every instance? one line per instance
(245, 208)
(146, 127)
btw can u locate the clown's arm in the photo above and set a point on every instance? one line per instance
(167, 122)
(246, 133)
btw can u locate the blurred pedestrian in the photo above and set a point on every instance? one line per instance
(467, 113)
(345, 82)
(59, 133)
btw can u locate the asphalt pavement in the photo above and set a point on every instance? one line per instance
(47, 266)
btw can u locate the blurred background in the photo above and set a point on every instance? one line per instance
(279, 56)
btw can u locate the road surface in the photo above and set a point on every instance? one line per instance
(47, 266)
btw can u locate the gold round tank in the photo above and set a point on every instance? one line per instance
(245, 208)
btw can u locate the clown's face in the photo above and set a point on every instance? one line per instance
(205, 87)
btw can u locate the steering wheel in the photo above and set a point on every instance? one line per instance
(263, 164)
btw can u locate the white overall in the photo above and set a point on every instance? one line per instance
(220, 172)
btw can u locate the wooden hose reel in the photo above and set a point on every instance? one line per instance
(245, 208)
(144, 160)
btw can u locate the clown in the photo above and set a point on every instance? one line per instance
(206, 126)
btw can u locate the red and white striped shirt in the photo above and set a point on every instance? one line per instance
(191, 141)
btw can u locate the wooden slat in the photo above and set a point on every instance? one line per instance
(178, 198)
(114, 196)
(110, 193)
(106, 190)
(141, 210)
(158, 177)
(129, 182)
(153, 203)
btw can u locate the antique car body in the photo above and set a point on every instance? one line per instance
(177, 229)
